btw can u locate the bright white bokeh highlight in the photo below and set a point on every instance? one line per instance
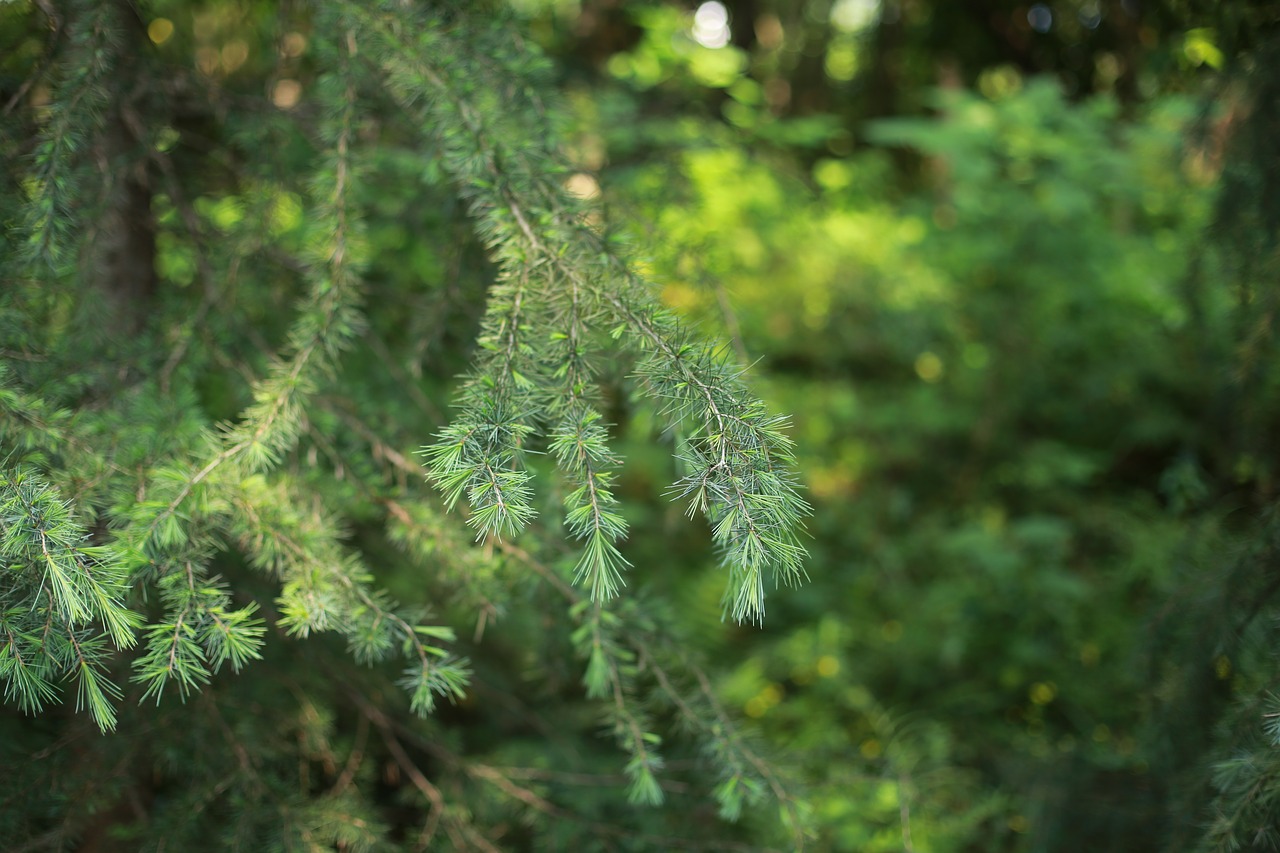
(711, 24)
(854, 15)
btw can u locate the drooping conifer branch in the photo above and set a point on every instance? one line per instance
(621, 652)
(580, 446)
(328, 321)
(75, 115)
(644, 649)
(323, 588)
(328, 588)
(58, 591)
(501, 151)
(30, 424)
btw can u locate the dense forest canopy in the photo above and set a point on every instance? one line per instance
(576, 425)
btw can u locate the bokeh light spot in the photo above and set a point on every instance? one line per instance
(929, 367)
(293, 45)
(286, 94)
(854, 15)
(207, 60)
(582, 185)
(1040, 17)
(1043, 692)
(234, 54)
(711, 25)
(160, 30)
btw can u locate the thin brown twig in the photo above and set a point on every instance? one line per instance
(495, 777)
(437, 813)
(354, 759)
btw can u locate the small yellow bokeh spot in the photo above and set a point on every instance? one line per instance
(207, 60)
(286, 94)
(1222, 667)
(842, 61)
(293, 45)
(160, 30)
(830, 482)
(1199, 48)
(929, 367)
(285, 213)
(999, 82)
(1018, 823)
(1101, 733)
(828, 666)
(870, 748)
(1043, 692)
(583, 186)
(994, 519)
(233, 54)
(680, 296)
(759, 705)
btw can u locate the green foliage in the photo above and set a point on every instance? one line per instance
(224, 325)
(76, 115)
(62, 607)
(1026, 338)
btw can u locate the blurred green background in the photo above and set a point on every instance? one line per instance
(972, 248)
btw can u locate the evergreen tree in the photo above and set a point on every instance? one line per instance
(237, 285)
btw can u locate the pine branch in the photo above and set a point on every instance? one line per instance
(75, 115)
(56, 588)
(611, 673)
(201, 631)
(745, 774)
(328, 589)
(498, 150)
(327, 323)
(579, 445)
